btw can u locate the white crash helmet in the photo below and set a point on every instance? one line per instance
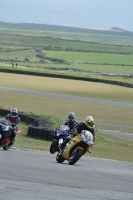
(14, 112)
(71, 116)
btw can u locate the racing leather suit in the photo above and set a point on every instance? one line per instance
(81, 126)
(73, 128)
(14, 123)
(71, 124)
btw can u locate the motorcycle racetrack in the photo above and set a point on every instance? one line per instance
(27, 174)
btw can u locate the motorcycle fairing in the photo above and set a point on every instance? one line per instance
(72, 143)
(62, 131)
(5, 132)
(5, 138)
(69, 146)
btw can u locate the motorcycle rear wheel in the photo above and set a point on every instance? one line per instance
(59, 158)
(54, 147)
(74, 158)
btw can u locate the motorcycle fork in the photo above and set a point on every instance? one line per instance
(60, 141)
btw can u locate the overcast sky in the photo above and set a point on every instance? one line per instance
(101, 14)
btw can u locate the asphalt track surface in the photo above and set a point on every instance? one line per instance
(35, 175)
(70, 97)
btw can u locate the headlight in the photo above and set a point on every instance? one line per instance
(6, 128)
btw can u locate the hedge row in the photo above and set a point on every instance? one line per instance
(67, 77)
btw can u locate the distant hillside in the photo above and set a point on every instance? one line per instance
(113, 31)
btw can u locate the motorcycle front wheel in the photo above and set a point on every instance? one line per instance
(53, 147)
(59, 158)
(74, 157)
(6, 147)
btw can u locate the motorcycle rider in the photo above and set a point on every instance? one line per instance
(14, 120)
(87, 125)
(71, 122)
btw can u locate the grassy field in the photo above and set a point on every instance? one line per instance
(102, 59)
(88, 37)
(39, 50)
(72, 57)
(96, 58)
(21, 42)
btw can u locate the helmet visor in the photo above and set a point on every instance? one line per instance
(71, 118)
(90, 124)
(14, 113)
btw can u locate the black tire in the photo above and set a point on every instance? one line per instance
(6, 147)
(74, 158)
(54, 147)
(59, 158)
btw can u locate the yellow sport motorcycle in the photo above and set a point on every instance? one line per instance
(76, 148)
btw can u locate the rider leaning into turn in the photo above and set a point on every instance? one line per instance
(15, 120)
(71, 122)
(87, 125)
